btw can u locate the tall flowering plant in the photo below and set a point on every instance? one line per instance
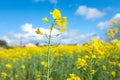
(59, 22)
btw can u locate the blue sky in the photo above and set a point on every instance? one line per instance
(84, 16)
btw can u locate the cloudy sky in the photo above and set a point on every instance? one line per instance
(87, 19)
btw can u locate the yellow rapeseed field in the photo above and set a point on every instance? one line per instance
(99, 60)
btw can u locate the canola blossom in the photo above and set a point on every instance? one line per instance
(59, 22)
(31, 62)
(39, 32)
(56, 14)
(45, 19)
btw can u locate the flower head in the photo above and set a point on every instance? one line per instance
(115, 30)
(22, 66)
(38, 32)
(113, 73)
(56, 14)
(93, 71)
(62, 29)
(73, 77)
(8, 66)
(112, 22)
(45, 19)
(4, 75)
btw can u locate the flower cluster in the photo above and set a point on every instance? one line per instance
(81, 63)
(73, 77)
(113, 31)
(59, 22)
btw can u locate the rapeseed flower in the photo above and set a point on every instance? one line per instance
(115, 29)
(113, 22)
(80, 63)
(45, 19)
(93, 71)
(56, 14)
(113, 73)
(62, 29)
(4, 75)
(103, 67)
(39, 32)
(44, 64)
(22, 66)
(8, 66)
(73, 77)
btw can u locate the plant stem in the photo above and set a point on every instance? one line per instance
(48, 54)
(91, 65)
(91, 76)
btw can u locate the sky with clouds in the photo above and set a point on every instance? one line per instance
(87, 19)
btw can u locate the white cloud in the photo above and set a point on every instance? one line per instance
(27, 27)
(106, 24)
(77, 38)
(117, 16)
(103, 25)
(89, 13)
(28, 35)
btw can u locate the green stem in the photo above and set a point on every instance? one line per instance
(48, 55)
(91, 76)
(91, 64)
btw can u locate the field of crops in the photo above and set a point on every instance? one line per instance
(96, 61)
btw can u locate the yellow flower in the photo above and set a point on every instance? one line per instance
(45, 19)
(44, 63)
(115, 30)
(77, 78)
(86, 57)
(93, 56)
(8, 66)
(113, 22)
(84, 69)
(86, 44)
(113, 73)
(63, 18)
(93, 71)
(58, 23)
(111, 33)
(16, 75)
(64, 24)
(56, 14)
(4, 75)
(104, 67)
(23, 67)
(72, 75)
(114, 41)
(118, 64)
(38, 32)
(80, 63)
(112, 63)
(62, 29)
